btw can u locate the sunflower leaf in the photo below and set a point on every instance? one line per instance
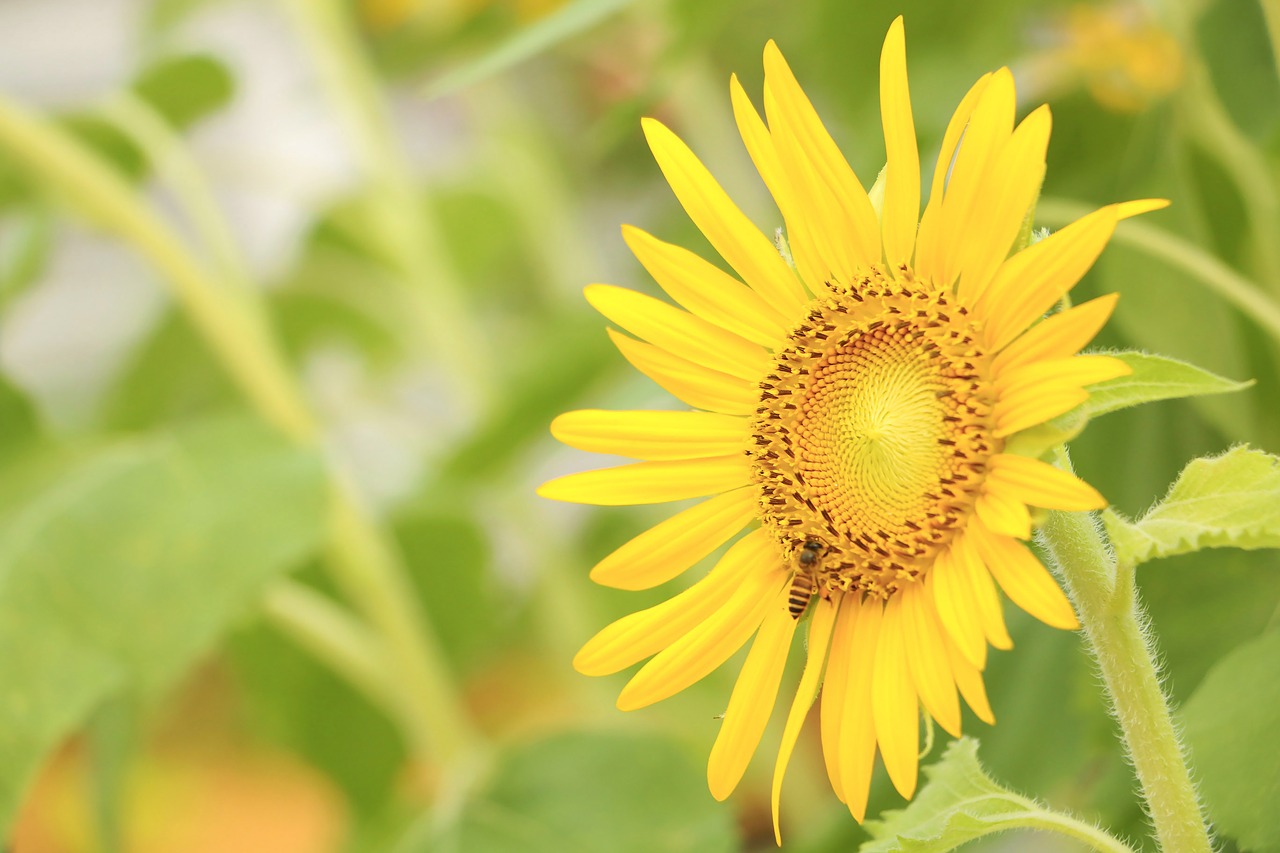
(119, 575)
(961, 803)
(1234, 710)
(1154, 377)
(1227, 501)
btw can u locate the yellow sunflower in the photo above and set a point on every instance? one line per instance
(856, 393)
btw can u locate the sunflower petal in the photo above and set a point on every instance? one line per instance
(679, 332)
(1043, 390)
(752, 701)
(927, 659)
(969, 680)
(1059, 336)
(659, 435)
(1003, 514)
(894, 704)
(835, 688)
(983, 589)
(1030, 282)
(824, 616)
(848, 233)
(857, 729)
(737, 240)
(698, 386)
(1024, 579)
(672, 546)
(701, 651)
(902, 167)
(1037, 483)
(957, 609)
(650, 482)
(639, 635)
(706, 290)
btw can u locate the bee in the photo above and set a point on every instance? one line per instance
(805, 583)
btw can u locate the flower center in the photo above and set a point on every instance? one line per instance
(873, 433)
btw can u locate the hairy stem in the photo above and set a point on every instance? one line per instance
(1107, 600)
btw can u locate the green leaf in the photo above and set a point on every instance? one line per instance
(1227, 501)
(119, 575)
(582, 792)
(185, 89)
(961, 803)
(1230, 724)
(1154, 377)
(526, 43)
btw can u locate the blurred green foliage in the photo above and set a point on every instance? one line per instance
(137, 542)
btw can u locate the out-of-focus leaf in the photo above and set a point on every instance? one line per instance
(302, 705)
(959, 803)
(172, 375)
(109, 143)
(1228, 501)
(19, 422)
(572, 18)
(185, 89)
(583, 792)
(1154, 377)
(26, 239)
(546, 383)
(127, 569)
(1231, 723)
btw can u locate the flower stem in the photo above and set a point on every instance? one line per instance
(1039, 818)
(1106, 597)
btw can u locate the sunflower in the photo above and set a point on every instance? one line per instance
(857, 391)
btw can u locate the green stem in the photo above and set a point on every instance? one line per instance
(334, 636)
(1038, 818)
(363, 557)
(399, 217)
(1107, 600)
(1208, 270)
(1208, 122)
(1271, 13)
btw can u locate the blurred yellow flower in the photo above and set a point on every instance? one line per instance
(1123, 57)
(853, 410)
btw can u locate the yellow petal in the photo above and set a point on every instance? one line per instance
(1037, 483)
(824, 616)
(998, 213)
(969, 680)
(835, 688)
(1001, 513)
(679, 332)
(639, 635)
(957, 609)
(978, 580)
(929, 239)
(706, 290)
(847, 233)
(893, 702)
(698, 386)
(701, 651)
(652, 435)
(1061, 335)
(975, 163)
(858, 730)
(669, 548)
(1024, 579)
(759, 144)
(650, 482)
(902, 167)
(1035, 393)
(752, 701)
(738, 241)
(1030, 282)
(927, 658)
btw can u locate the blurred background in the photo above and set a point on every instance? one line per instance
(289, 292)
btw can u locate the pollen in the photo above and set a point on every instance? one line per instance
(873, 432)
